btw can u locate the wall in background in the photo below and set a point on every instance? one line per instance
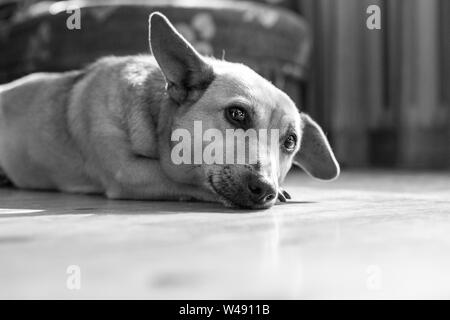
(383, 95)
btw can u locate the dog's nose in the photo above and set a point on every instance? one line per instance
(261, 192)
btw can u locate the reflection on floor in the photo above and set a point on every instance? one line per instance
(366, 235)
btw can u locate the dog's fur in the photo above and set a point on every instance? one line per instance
(107, 128)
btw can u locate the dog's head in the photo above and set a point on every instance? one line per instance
(223, 110)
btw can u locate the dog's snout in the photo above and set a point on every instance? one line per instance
(261, 191)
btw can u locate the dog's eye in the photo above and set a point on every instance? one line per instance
(290, 142)
(237, 115)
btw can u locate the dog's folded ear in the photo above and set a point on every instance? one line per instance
(187, 73)
(315, 155)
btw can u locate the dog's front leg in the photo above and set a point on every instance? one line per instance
(143, 179)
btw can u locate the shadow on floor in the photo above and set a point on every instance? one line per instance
(21, 203)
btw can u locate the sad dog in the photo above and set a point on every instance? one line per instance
(107, 129)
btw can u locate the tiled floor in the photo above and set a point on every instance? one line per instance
(366, 235)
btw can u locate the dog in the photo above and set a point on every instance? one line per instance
(107, 129)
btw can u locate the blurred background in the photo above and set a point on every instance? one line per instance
(382, 96)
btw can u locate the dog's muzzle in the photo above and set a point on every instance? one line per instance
(246, 189)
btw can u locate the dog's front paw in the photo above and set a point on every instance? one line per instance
(283, 195)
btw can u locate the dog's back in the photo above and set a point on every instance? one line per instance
(35, 104)
(46, 119)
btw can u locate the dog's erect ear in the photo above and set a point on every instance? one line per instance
(186, 72)
(315, 155)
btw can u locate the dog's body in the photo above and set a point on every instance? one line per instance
(90, 131)
(107, 128)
